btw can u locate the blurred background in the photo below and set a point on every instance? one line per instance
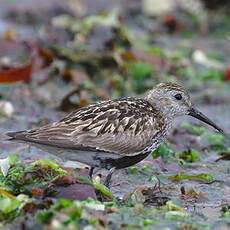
(56, 56)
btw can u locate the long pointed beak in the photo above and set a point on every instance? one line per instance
(200, 116)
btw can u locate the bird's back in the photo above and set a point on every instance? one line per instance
(123, 126)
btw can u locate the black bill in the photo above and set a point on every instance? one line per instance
(200, 116)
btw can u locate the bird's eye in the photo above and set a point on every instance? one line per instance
(178, 96)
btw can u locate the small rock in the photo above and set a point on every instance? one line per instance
(6, 108)
(77, 192)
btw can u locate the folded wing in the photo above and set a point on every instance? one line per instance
(118, 126)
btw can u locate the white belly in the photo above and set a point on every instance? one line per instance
(86, 157)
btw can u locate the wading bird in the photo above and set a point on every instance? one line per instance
(117, 133)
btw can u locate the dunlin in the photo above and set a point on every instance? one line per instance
(117, 133)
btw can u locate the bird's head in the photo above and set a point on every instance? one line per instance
(173, 101)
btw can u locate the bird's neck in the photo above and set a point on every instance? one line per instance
(165, 109)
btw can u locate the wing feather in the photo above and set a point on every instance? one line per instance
(119, 126)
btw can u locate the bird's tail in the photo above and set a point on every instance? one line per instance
(13, 135)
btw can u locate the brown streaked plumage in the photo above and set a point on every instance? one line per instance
(116, 133)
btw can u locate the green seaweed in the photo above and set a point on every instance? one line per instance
(193, 129)
(216, 142)
(11, 207)
(163, 151)
(21, 177)
(138, 169)
(102, 189)
(225, 211)
(78, 213)
(202, 177)
(189, 155)
(140, 70)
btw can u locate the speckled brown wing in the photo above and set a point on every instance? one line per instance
(119, 126)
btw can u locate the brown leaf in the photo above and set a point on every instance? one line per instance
(12, 71)
(46, 55)
(37, 192)
(30, 208)
(128, 56)
(64, 180)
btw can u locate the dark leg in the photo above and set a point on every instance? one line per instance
(109, 176)
(29, 148)
(158, 185)
(91, 172)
